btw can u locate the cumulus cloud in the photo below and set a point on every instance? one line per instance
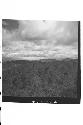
(61, 31)
(41, 37)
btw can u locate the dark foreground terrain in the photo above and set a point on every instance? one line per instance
(50, 78)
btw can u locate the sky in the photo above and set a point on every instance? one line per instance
(35, 39)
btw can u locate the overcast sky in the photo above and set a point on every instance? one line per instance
(40, 36)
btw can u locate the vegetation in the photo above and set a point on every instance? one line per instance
(40, 78)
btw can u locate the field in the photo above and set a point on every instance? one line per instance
(44, 78)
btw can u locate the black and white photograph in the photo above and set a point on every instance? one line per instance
(41, 61)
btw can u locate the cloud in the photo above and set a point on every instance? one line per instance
(21, 51)
(64, 32)
(35, 30)
(51, 39)
(10, 24)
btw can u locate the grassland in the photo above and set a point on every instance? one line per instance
(44, 78)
